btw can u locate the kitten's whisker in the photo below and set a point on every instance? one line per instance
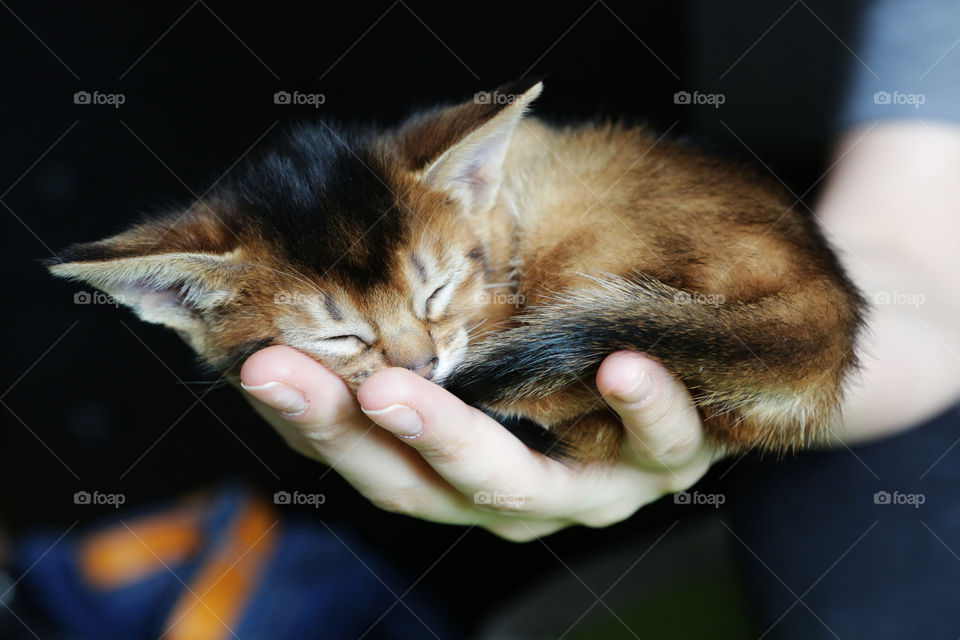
(496, 328)
(476, 325)
(472, 331)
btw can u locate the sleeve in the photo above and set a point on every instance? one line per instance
(906, 62)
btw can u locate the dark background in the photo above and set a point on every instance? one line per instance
(93, 399)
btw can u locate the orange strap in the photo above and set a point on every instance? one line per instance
(218, 593)
(121, 555)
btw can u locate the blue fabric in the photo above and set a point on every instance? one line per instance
(315, 584)
(56, 584)
(842, 525)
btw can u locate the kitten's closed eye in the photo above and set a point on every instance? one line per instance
(351, 336)
(345, 345)
(437, 301)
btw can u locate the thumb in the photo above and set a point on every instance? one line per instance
(663, 428)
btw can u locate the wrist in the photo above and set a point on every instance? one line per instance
(890, 209)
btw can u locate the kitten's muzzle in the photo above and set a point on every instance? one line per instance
(413, 350)
(426, 369)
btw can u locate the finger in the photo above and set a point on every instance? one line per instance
(469, 449)
(308, 404)
(662, 425)
(302, 390)
(526, 530)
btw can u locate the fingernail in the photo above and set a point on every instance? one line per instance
(286, 399)
(637, 388)
(400, 419)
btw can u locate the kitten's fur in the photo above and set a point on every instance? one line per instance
(505, 258)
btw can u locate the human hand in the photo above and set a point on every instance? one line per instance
(411, 447)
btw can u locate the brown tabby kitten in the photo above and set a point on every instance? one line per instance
(504, 259)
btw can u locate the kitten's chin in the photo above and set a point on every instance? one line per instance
(449, 361)
(441, 378)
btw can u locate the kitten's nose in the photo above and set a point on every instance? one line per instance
(413, 350)
(425, 369)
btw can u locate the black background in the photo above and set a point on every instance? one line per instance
(91, 395)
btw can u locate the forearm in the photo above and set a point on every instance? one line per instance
(891, 209)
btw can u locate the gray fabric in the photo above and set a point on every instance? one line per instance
(795, 74)
(910, 53)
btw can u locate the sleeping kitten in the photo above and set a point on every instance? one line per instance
(504, 258)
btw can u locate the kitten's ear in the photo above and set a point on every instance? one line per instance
(169, 271)
(461, 149)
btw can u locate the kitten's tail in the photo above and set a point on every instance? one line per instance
(766, 373)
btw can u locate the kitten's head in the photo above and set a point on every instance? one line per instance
(364, 250)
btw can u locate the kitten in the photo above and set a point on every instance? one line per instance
(504, 258)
